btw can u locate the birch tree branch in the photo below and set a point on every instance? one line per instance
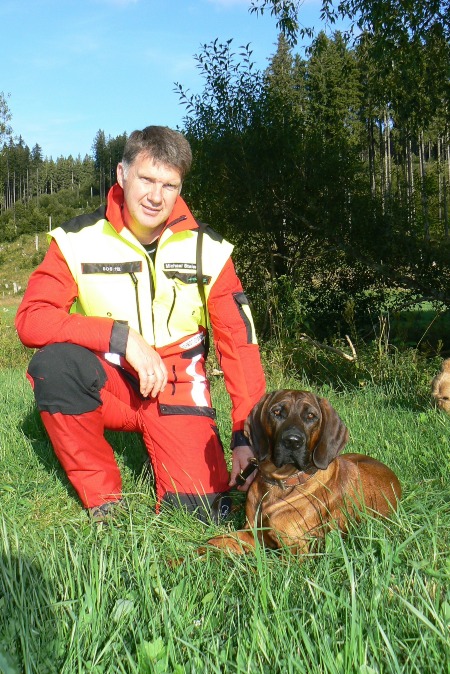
(351, 358)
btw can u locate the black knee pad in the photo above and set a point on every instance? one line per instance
(67, 378)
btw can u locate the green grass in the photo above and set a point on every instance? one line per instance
(78, 599)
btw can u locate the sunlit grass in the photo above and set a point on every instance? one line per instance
(74, 598)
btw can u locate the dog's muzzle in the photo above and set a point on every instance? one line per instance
(290, 448)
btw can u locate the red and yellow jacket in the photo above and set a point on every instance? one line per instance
(97, 278)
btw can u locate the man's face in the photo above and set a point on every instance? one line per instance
(150, 191)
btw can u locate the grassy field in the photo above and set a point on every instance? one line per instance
(78, 599)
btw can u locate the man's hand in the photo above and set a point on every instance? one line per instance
(148, 364)
(242, 455)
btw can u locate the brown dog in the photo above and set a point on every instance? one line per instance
(302, 490)
(440, 387)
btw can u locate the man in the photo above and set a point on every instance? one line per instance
(119, 310)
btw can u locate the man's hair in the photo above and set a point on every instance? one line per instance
(163, 145)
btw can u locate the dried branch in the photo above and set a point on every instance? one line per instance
(352, 359)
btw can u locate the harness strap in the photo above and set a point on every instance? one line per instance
(200, 284)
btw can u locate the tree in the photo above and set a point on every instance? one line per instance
(273, 163)
(299, 166)
(100, 160)
(107, 154)
(36, 155)
(393, 22)
(5, 118)
(286, 13)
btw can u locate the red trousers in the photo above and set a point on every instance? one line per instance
(185, 450)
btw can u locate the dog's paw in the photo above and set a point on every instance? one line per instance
(230, 544)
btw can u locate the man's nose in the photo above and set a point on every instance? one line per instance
(154, 193)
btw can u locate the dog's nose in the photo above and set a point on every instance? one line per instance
(292, 439)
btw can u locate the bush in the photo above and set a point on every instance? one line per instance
(402, 373)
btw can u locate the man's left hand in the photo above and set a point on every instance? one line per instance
(242, 455)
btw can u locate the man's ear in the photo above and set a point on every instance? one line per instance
(120, 174)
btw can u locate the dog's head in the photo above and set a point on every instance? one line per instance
(440, 387)
(297, 428)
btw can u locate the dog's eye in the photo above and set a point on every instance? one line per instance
(277, 411)
(311, 416)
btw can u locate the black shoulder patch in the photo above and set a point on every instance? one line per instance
(80, 221)
(210, 231)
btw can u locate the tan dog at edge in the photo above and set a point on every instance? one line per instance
(303, 489)
(440, 387)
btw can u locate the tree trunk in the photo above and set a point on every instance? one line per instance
(372, 175)
(445, 183)
(426, 223)
(410, 193)
(387, 156)
(382, 166)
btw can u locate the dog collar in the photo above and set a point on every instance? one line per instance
(298, 478)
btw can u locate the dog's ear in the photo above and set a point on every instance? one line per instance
(255, 429)
(333, 436)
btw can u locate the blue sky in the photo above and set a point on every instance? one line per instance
(73, 67)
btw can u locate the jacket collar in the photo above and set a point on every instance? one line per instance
(180, 220)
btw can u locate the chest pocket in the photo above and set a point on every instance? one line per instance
(109, 288)
(187, 310)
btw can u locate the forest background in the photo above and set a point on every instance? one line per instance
(330, 172)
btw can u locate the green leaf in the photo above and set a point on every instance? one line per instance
(122, 608)
(208, 598)
(153, 650)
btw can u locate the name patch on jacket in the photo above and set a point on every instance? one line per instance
(185, 272)
(111, 267)
(180, 266)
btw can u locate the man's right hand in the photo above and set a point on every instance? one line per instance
(148, 364)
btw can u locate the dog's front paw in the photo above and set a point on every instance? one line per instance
(235, 544)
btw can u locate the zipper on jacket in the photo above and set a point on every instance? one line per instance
(138, 309)
(171, 310)
(152, 290)
(175, 379)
